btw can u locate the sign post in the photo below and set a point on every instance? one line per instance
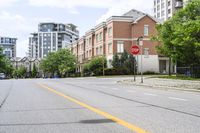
(135, 51)
(140, 42)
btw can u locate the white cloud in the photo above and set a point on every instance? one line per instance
(114, 7)
(73, 3)
(7, 2)
(15, 25)
(126, 5)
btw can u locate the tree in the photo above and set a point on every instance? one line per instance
(124, 57)
(116, 61)
(21, 72)
(180, 36)
(130, 64)
(34, 72)
(86, 69)
(5, 64)
(60, 62)
(97, 64)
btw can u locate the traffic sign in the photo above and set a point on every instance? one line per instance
(135, 50)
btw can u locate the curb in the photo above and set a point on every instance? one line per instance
(159, 87)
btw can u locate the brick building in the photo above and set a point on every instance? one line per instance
(117, 34)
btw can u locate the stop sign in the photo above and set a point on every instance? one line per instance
(135, 50)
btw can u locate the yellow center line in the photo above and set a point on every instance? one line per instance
(98, 111)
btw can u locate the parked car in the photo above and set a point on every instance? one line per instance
(2, 76)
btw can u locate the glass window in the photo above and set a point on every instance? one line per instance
(100, 36)
(97, 51)
(158, 7)
(101, 50)
(97, 37)
(120, 46)
(162, 5)
(110, 48)
(162, 13)
(146, 30)
(169, 11)
(110, 31)
(169, 3)
(158, 15)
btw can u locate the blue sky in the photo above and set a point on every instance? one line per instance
(19, 18)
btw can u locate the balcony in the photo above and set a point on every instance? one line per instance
(179, 4)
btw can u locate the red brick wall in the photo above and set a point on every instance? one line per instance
(121, 29)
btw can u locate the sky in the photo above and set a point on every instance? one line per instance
(19, 18)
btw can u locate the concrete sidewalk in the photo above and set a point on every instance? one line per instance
(185, 85)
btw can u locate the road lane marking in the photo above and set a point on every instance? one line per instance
(131, 91)
(114, 88)
(176, 98)
(132, 127)
(150, 94)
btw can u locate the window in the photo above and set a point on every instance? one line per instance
(158, 15)
(162, 13)
(146, 30)
(169, 11)
(110, 31)
(146, 52)
(101, 50)
(110, 48)
(120, 46)
(169, 3)
(97, 51)
(90, 40)
(158, 7)
(100, 36)
(97, 37)
(162, 5)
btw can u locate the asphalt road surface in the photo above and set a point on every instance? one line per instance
(94, 105)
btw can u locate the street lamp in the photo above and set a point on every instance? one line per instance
(140, 42)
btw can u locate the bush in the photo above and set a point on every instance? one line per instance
(116, 71)
(95, 66)
(149, 73)
(86, 70)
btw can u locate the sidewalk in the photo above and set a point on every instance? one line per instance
(161, 83)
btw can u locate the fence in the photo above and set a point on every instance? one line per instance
(188, 71)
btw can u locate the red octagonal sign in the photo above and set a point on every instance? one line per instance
(135, 50)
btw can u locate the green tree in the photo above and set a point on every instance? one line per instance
(34, 72)
(130, 64)
(60, 62)
(116, 61)
(97, 64)
(21, 72)
(180, 36)
(124, 57)
(86, 70)
(5, 64)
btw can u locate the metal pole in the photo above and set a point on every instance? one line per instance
(134, 69)
(103, 67)
(141, 65)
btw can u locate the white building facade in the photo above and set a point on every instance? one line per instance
(164, 9)
(51, 37)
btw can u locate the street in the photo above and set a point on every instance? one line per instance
(95, 105)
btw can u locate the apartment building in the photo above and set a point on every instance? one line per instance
(9, 46)
(164, 9)
(118, 34)
(27, 63)
(51, 37)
